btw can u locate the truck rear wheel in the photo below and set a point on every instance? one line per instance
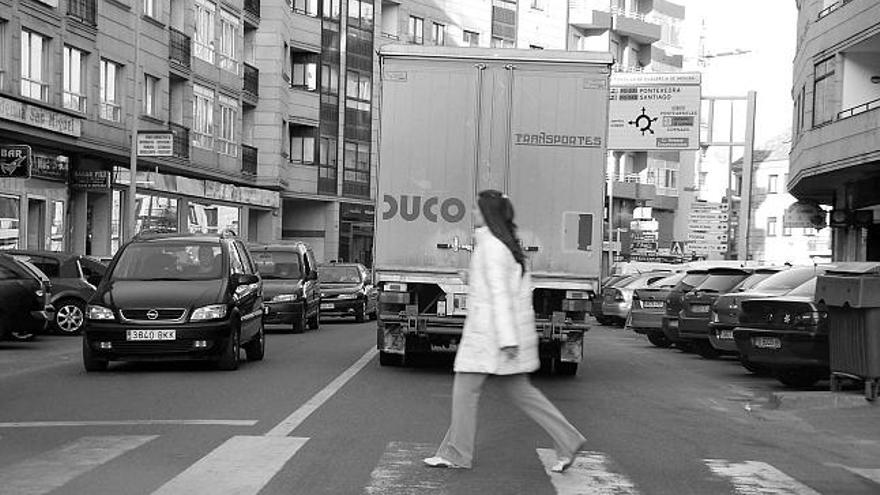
(389, 359)
(566, 369)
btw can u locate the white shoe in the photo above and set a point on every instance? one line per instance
(439, 462)
(562, 464)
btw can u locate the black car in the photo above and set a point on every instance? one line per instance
(347, 290)
(74, 278)
(673, 303)
(24, 290)
(290, 285)
(174, 297)
(787, 335)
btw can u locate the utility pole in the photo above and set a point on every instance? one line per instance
(131, 216)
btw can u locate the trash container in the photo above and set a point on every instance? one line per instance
(851, 292)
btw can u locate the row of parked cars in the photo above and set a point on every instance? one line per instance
(764, 315)
(179, 296)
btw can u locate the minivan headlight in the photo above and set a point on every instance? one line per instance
(285, 298)
(347, 296)
(212, 312)
(94, 312)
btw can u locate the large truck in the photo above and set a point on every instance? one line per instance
(455, 121)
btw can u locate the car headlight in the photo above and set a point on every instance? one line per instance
(212, 312)
(99, 313)
(348, 296)
(285, 298)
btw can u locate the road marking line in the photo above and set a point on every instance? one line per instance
(871, 474)
(290, 423)
(51, 470)
(400, 471)
(241, 465)
(132, 422)
(590, 474)
(752, 477)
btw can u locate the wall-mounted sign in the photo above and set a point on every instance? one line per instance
(90, 179)
(15, 160)
(35, 116)
(654, 111)
(55, 167)
(155, 143)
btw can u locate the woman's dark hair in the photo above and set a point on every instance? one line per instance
(497, 210)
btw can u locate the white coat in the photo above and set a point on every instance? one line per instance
(500, 313)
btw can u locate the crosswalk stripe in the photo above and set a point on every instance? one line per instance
(46, 472)
(590, 474)
(242, 465)
(871, 474)
(751, 477)
(400, 471)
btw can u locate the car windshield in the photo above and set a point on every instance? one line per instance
(281, 265)
(786, 280)
(169, 261)
(807, 288)
(721, 282)
(668, 282)
(641, 281)
(339, 275)
(691, 280)
(753, 280)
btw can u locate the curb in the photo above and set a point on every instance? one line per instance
(816, 400)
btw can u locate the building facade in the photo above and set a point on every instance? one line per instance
(835, 159)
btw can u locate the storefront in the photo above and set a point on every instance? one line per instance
(33, 210)
(356, 222)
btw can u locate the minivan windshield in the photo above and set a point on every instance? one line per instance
(668, 282)
(283, 265)
(721, 282)
(169, 261)
(339, 275)
(786, 280)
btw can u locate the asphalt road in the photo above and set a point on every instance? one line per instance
(320, 416)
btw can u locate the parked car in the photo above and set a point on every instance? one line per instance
(347, 290)
(177, 296)
(617, 299)
(669, 321)
(696, 307)
(597, 299)
(787, 335)
(74, 278)
(290, 285)
(649, 306)
(25, 292)
(725, 313)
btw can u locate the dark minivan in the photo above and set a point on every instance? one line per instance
(175, 297)
(290, 285)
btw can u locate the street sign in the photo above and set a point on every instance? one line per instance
(703, 217)
(654, 111)
(155, 143)
(677, 247)
(703, 206)
(708, 226)
(15, 160)
(707, 237)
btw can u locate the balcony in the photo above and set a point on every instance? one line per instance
(83, 10)
(181, 141)
(251, 84)
(831, 8)
(588, 14)
(179, 49)
(252, 8)
(635, 187)
(636, 26)
(249, 160)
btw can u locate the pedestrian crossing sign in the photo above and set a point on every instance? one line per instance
(677, 248)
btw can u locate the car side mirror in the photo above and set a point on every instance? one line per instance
(244, 279)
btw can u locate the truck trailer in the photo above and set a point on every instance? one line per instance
(455, 121)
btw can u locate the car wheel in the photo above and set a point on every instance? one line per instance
(799, 378)
(361, 314)
(90, 362)
(70, 316)
(299, 323)
(705, 350)
(659, 340)
(256, 348)
(315, 321)
(229, 360)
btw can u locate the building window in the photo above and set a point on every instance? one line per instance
(331, 9)
(156, 212)
(305, 71)
(771, 226)
(10, 216)
(110, 107)
(330, 79)
(3, 56)
(501, 42)
(228, 41)
(786, 231)
(306, 7)
(203, 38)
(33, 66)
(302, 144)
(669, 179)
(203, 117)
(439, 34)
(416, 30)
(74, 99)
(538, 4)
(823, 92)
(470, 38)
(328, 152)
(151, 93)
(773, 184)
(150, 8)
(360, 14)
(356, 168)
(228, 116)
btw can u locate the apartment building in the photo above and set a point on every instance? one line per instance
(835, 159)
(71, 90)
